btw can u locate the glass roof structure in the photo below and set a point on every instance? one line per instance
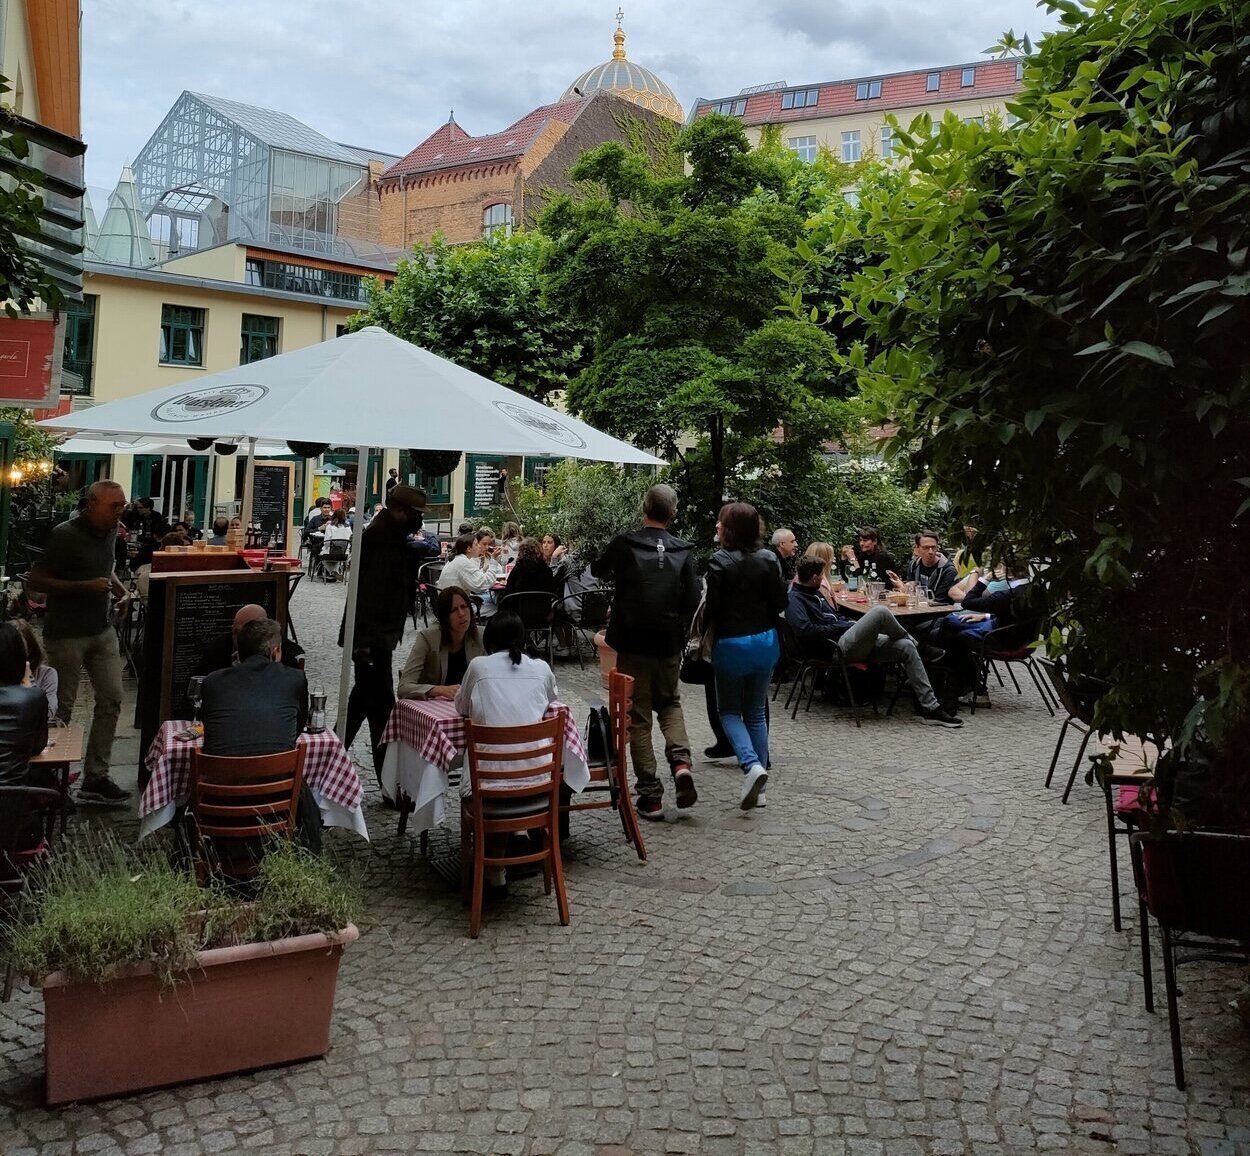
(262, 176)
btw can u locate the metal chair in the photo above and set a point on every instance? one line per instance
(536, 610)
(1080, 716)
(587, 613)
(515, 774)
(334, 559)
(997, 646)
(1194, 885)
(428, 574)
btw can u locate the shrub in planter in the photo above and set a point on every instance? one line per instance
(197, 981)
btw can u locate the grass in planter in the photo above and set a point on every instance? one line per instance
(99, 906)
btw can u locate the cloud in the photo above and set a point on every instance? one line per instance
(385, 73)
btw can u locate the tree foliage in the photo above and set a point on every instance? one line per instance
(481, 306)
(679, 279)
(1056, 316)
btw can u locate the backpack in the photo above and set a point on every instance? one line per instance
(651, 595)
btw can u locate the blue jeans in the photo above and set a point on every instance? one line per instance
(742, 668)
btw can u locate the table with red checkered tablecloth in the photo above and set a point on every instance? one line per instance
(328, 771)
(425, 739)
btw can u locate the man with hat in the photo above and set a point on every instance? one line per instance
(383, 601)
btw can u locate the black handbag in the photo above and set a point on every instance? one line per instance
(597, 739)
(696, 666)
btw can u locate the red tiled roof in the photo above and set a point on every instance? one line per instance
(450, 146)
(994, 79)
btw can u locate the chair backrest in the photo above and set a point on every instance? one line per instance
(23, 812)
(516, 762)
(1196, 882)
(620, 703)
(533, 607)
(1063, 689)
(589, 608)
(337, 550)
(429, 573)
(243, 800)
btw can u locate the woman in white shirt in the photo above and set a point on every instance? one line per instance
(337, 528)
(467, 569)
(505, 687)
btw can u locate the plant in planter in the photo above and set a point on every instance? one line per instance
(198, 981)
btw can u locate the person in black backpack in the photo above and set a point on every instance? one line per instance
(656, 594)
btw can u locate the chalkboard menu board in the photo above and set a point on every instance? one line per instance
(272, 493)
(185, 613)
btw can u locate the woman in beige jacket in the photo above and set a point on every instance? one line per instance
(440, 654)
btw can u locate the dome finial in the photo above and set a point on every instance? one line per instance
(618, 37)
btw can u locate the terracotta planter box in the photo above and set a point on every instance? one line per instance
(607, 657)
(242, 1008)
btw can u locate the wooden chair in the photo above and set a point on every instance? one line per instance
(238, 805)
(1194, 886)
(508, 797)
(612, 778)
(27, 815)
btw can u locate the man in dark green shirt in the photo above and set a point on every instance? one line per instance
(76, 573)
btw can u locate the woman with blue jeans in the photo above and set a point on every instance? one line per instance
(745, 594)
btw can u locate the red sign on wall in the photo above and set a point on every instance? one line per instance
(30, 361)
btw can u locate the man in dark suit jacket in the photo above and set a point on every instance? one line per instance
(220, 653)
(259, 707)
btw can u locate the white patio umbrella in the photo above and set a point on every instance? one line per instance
(363, 389)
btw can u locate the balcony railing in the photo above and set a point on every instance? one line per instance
(76, 375)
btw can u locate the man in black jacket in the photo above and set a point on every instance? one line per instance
(656, 595)
(876, 637)
(867, 560)
(223, 651)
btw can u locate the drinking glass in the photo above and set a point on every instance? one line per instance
(195, 692)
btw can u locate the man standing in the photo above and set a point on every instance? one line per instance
(383, 600)
(391, 482)
(76, 573)
(877, 636)
(785, 545)
(656, 594)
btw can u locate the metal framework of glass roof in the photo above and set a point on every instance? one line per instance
(280, 182)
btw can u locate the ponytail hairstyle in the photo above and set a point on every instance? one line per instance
(505, 631)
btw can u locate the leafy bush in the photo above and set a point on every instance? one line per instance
(99, 906)
(591, 504)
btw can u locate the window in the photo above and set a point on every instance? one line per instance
(497, 220)
(1019, 69)
(805, 99)
(887, 143)
(933, 82)
(851, 147)
(306, 279)
(731, 107)
(254, 272)
(979, 121)
(969, 78)
(182, 335)
(79, 344)
(803, 147)
(868, 90)
(259, 338)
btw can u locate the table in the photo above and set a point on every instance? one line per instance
(328, 771)
(64, 747)
(426, 737)
(852, 604)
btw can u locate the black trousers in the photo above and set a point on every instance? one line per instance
(372, 698)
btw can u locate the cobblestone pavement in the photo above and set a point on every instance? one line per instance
(909, 951)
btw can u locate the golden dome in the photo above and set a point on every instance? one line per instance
(628, 80)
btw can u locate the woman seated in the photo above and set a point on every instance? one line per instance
(41, 675)
(509, 541)
(337, 529)
(23, 728)
(467, 568)
(505, 687)
(532, 572)
(553, 550)
(441, 653)
(825, 552)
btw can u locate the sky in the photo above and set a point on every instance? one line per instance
(385, 73)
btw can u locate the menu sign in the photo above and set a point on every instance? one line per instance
(272, 487)
(481, 483)
(186, 613)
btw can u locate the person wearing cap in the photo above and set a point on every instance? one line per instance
(867, 559)
(383, 600)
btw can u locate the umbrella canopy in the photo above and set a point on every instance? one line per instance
(133, 445)
(363, 389)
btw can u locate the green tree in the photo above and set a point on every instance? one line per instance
(1058, 323)
(481, 306)
(679, 279)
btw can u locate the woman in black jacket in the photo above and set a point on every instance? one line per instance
(23, 715)
(745, 594)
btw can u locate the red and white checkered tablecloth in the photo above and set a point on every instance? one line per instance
(436, 730)
(328, 769)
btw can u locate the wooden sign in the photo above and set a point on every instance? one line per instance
(30, 360)
(187, 612)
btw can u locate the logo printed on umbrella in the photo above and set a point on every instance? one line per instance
(542, 423)
(212, 402)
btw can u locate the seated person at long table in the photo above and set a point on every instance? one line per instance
(441, 653)
(222, 652)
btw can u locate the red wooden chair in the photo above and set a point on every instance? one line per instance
(515, 774)
(612, 778)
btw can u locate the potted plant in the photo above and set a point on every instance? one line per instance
(197, 981)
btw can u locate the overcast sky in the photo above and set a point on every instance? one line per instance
(385, 73)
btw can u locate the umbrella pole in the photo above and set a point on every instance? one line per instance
(249, 477)
(353, 585)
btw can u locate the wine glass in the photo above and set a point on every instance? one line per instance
(195, 692)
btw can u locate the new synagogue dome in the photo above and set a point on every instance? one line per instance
(627, 80)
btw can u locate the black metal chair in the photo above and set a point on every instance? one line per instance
(999, 645)
(536, 610)
(27, 818)
(428, 574)
(1080, 717)
(587, 614)
(334, 559)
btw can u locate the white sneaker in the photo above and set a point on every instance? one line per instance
(752, 784)
(761, 801)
